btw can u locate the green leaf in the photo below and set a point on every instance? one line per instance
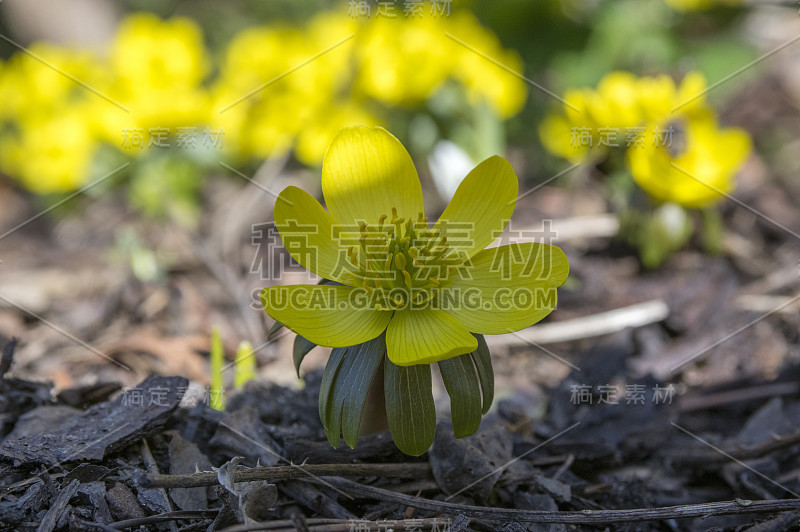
(300, 349)
(483, 364)
(409, 406)
(461, 381)
(351, 387)
(277, 326)
(326, 391)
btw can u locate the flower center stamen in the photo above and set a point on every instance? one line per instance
(403, 262)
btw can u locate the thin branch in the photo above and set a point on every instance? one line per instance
(738, 506)
(165, 517)
(277, 473)
(715, 400)
(283, 523)
(704, 457)
(339, 525)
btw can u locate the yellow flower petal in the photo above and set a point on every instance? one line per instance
(615, 105)
(508, 288)
(481, 207)
(324, 314)
(307, 232)
(656, 97)
(365, 173)
(735, 143)
(577, 107)
(558, 136)
(691, 93)
(701, 173)
(425, 336)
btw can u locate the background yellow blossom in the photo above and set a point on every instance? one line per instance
(269, 91)
(659, 125)
(695, 170)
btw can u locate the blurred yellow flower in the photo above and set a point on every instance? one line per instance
(32, 87)
(277, 88)
(669, 132)
(617, 111)
(263, 110)
(700, 5)
(559, 131)
(388, 63)
(694, 166)
(593, 118)
(615, 103)
(402, 61)
(158, 67)
(658, 96)
(48, 142)
(54, 155)
(150, 53)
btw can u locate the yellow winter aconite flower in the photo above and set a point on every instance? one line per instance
(402, 61)
(55, 154)
(159, 54)
(558, 136)
(696, 167)
(405, 60)
(379, 64)
(428, 286)
(610, 114)
(684, 157)
(279, 107)
(47, 142)
(277, 88)
(588, 114)
(663, 127)
(33, 87)
(658, 97)
(615, 104)
(158, 67)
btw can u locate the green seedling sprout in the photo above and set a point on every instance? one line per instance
(244, 369)
(217, 356)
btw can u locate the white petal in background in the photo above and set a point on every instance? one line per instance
(449, 165)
